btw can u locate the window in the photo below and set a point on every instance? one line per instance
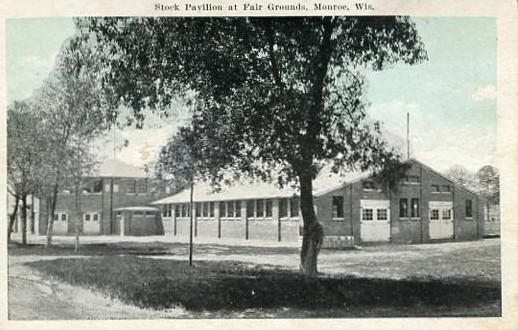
(130, 187)
(367, 214)
(184, 211)
(115, 188)
(107, 187)
(469, 208)
(414, 208)
(142, 187)
(170, 210)
(222, 210)
(64, 217)
(283, 208)
(435, 188)
(198, 209)
(446, 188)
(96, 217)
(250, 209)
(446, 214)
(368, 185)
(97, 187)
(177, 210)
(381, 214)
(434, 214)
(211, 209)
(238, 209)
(205, 212)
(338, 207)
(403, 208)
(87, 216)
(268, 207)
(412, 179)
(230, 209)
(294, 207)
(56, 216)
(259, 208)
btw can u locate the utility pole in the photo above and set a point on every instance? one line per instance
(407, 135)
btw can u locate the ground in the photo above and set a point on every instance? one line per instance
(253, 281)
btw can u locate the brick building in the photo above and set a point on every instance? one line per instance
(425, 207)
(116, 185)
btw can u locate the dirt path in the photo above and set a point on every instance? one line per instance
(32, 297)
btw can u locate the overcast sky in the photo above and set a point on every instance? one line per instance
(451, 98)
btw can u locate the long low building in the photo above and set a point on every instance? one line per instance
(426, 206)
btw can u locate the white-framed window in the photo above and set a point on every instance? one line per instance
(107, 187)
(434, 214)
(446, 189)
(435, 188)
(381, 214)
(60, 216)
(446, 214)
(367, 214)
(91, 216)
(116, 188)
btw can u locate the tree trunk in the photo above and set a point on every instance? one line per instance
(24, 220)
(191, 224)
(12, 218)
(33, 216)
(50, 222)
(78, 217)
(313, 232)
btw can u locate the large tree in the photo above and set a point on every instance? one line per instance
(271, 97)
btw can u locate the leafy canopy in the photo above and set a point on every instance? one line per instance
(271, 97)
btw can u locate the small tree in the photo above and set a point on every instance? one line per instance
(489, 182)
(180, 159)
(25, 139)
(463, 176)
(72, 105)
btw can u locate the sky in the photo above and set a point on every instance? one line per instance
(451, 98)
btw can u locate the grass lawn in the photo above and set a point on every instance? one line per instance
(229, 289)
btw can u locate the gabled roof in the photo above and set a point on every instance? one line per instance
(324, 183)
(257, 190)
(115, 168)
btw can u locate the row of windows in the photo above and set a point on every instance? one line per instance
(446, 214)
(63, 216)
(258, 208)
(131, 187)
(60, 216)
(368, 214)
(91, 217)
(445, 188)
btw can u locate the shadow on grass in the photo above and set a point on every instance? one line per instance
(139, 248)
(232, 286)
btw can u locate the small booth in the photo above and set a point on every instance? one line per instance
(138, 221)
